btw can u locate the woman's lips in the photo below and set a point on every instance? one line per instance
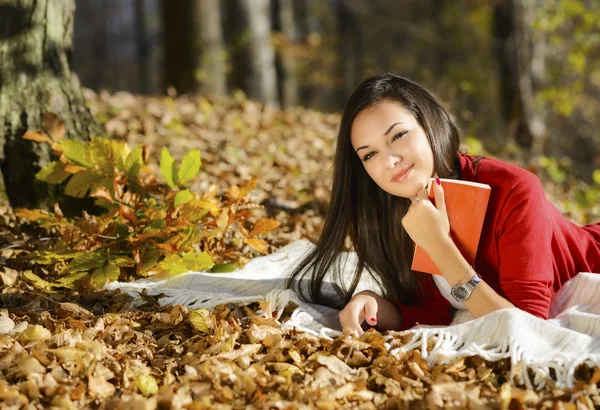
(402, 175)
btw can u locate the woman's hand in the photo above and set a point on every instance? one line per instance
(368, 305)
(427, 224)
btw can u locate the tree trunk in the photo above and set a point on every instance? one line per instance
(286, 60)
(195, 55)
(149, 33)
(36, 41)
(351, 38)
(253, 55)
(521, 66)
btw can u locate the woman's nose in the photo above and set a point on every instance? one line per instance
(392, 161)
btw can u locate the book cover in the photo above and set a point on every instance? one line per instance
(466, 204)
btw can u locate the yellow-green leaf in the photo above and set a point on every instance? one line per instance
(183, 197)
(85, 262)
(172, 265)
(134, 163)
(596, 176)
(76, 151)
(197, 261)
(69, 280)
(103, 155)
(190, 166)
(107, 273)
(223, 268)
(53, 173)
(80, 183)
(38, 282)
(168, 167)
(146, 384)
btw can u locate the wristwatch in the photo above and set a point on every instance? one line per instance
(462, 292)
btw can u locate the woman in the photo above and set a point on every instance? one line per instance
(394, 136)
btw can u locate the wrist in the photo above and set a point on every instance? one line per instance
(441, 247)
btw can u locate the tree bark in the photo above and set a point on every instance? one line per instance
(253, 54)
(286, 60)
(521, 66)
(36, 42)
(195, 54)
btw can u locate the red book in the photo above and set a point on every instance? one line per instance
(466, 203)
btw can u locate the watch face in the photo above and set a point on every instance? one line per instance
(460, 293)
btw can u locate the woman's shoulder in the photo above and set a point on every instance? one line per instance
(497, 173)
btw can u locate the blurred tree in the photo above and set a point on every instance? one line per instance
(195, 58)
(36, 41)
(252, 51)
(284, 22)
(352, 47)
(521, 64)
(134, 65)
(572, 87)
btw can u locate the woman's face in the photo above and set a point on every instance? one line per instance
(388, 140)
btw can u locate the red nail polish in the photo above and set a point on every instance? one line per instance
(373, 320)
(437, 181)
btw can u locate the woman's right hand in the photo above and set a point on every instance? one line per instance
(367, 305)
(362, 306)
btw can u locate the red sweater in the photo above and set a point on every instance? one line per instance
(527, 249)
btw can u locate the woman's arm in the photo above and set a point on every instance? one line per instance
(453, 265)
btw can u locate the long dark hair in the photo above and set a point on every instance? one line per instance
(369, 215)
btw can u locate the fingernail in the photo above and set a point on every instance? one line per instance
(437, 181)
(373, 320)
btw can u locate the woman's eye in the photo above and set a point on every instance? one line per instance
(394, 138)
(400, 134)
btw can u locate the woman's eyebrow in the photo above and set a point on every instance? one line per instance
(386, 133)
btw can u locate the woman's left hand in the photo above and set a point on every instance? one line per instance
(427, 224)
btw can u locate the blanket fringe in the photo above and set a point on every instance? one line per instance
(449, 347)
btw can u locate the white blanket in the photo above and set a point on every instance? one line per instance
(571, 337)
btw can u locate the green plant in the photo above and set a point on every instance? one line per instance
(148, 227)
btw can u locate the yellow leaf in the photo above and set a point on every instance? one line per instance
(263, 226)
(36, 332)
(32, 214)
(37, 137)
(248, 186)
(223, 219)
(257, 244)
(73, 169)
(201, 320)
(38, 282)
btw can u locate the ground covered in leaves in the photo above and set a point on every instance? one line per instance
(95, 350)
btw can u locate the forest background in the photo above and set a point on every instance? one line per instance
(515, 72)
(238, 104)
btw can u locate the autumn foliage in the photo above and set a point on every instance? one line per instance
(147, 227)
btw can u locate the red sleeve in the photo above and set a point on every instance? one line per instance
(434, 309)
(525, 247)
